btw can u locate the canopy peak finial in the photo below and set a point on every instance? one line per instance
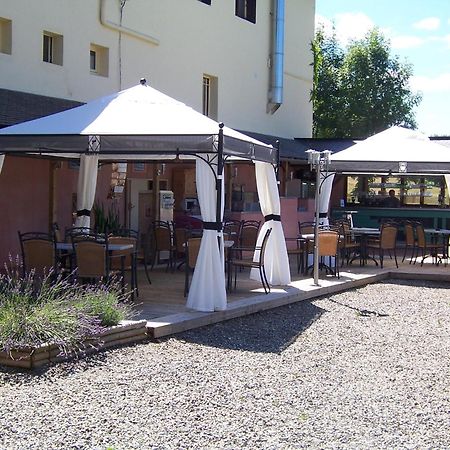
(143, 81)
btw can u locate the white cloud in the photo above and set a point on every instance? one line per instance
(348, 26)
(429, 23)
(402, 42)
(438, 83)
(325, 23)
(445, 39)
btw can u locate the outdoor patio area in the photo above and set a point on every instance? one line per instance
(162, 303)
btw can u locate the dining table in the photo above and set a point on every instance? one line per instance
(364, 233)
(444, 235)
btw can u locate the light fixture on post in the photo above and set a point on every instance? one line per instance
(319, 162)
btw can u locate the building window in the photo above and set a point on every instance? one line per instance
(207, 2)
(246, 9)
(139, 167)
(5, 36)
(210, 96)
(99, 60)
(52, 48)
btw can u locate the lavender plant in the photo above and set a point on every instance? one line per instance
(36, 311)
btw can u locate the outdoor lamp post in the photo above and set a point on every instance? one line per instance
(318, 161)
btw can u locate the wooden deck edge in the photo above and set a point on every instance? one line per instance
(125, 333)
(177, 323)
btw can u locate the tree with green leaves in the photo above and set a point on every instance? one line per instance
(361, 90)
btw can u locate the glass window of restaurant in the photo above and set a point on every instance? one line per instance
(412, 191)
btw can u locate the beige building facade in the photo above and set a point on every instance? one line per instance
(80, 50)
(246, 63)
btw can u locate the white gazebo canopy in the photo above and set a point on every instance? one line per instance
(393, 151)
(142, 123)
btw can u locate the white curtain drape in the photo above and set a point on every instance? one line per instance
(276, 261)
(87, 183)
(2, 160)
(207, 291)
(326, 184)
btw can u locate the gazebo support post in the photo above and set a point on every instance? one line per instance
(219, 178)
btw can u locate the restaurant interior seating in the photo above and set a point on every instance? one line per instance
(181, 236)
(329, 248)
(348, 245)
(38, 252)
(162, 241)
(192, 249)
(426, 249)
(232, 228)
(236, 260)
(93, 261)
(248, 234)
(410, 243)
(296, 247)
(125, 260)
(387, 243)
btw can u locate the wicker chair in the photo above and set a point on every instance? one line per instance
(410, 240)
(426, 249)
(349, 247)
(38, 252)
(329, 247)
(93, 261)
(125, 260)
(386, 243)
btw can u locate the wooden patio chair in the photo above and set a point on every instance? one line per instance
(239, 262)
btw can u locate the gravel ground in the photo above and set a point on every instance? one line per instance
(365, 369)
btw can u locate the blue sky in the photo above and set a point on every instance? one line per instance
(419, 31)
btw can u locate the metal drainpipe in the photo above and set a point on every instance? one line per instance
(277, 57)
(119, 27)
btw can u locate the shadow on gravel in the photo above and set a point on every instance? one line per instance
(269, 331)
(360, 312)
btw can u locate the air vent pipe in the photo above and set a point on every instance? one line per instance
(277, 57)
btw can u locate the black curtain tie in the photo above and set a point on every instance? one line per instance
(323, 215)
(84, 212)
(275, 217)
(217, 226)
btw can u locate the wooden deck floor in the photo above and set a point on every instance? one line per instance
(162, 303)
